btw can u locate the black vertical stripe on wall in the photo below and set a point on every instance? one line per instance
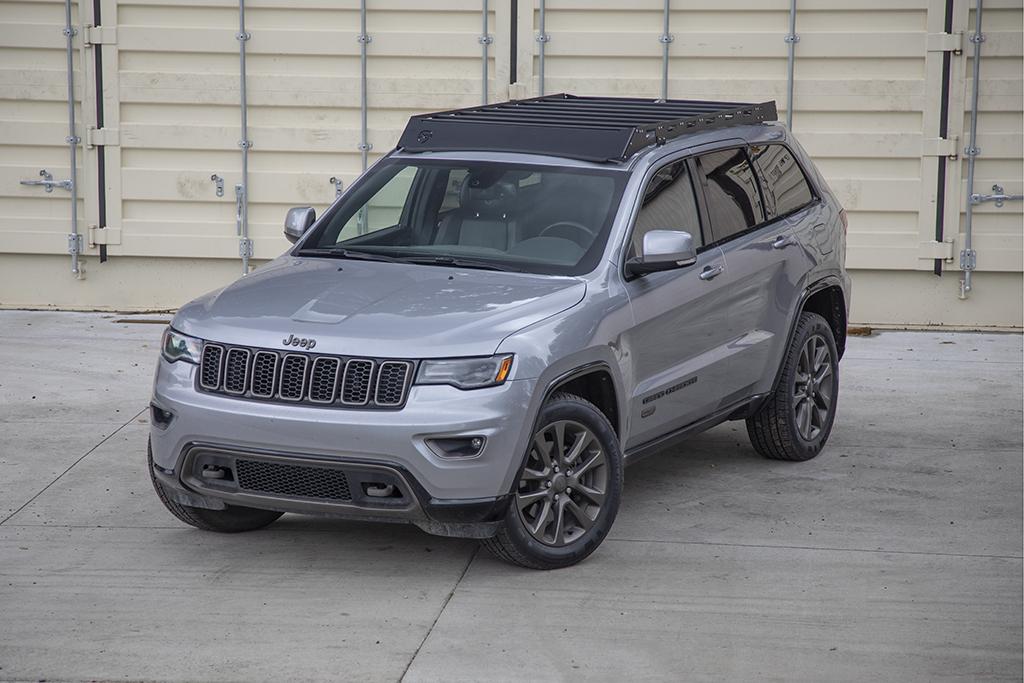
(940, 189)
(101, 161)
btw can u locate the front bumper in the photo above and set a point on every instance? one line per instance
(445, 489)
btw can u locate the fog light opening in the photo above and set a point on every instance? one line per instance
(458, 447)
(375, 489)
(217, 472)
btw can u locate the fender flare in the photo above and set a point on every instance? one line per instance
(586, 369)
(809, 291)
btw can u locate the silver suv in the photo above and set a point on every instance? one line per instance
(500, 314)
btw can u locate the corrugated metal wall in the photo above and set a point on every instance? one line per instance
(867, 105)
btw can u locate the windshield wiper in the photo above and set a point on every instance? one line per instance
(459, 263)
(341, 252)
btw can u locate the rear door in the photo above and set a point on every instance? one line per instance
(764, 270)
(677, 349)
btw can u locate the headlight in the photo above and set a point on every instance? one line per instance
(177, 346)
(466, 373)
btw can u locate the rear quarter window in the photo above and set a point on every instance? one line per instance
(786, 188)
(731, 191)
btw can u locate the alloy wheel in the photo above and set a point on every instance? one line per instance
(813, 387)
(563, 484)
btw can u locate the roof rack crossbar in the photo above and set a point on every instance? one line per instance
(602, 129)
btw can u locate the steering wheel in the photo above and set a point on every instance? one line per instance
(590, 234)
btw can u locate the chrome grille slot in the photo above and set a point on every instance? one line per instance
(210, 368)
(323, 379)
(293, 377)
(392, 378)
(355, 385)
(300, 481)
(236, 371)
(264, 374)
(306, 378)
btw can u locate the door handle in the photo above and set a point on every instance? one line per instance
(711, 272)
(781, 242)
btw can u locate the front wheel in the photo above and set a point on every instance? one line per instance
(568, 491)
(796, 419)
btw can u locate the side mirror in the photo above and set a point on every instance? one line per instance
(297, 222)
(663, 250)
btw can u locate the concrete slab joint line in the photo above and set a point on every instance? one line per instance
(472, 556)
(72, 465)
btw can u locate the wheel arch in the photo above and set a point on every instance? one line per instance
(827, 298)
(595, 383)
(828, 301)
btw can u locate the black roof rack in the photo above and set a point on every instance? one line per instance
(589, 128)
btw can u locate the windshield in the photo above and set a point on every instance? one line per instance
(474, 214)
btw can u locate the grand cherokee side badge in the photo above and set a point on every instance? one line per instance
(292, 340)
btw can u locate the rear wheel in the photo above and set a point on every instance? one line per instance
(795, 421)
(230, 520)
(568, 491)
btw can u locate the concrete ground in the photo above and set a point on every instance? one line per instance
(895, 555)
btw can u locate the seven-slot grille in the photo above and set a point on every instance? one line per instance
(283, 376)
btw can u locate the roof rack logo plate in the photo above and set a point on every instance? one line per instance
(423, 136)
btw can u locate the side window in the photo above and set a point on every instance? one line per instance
(384, 208)
(668, 204)
(785, 186)
(733, 199)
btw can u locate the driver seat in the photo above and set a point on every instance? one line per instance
(484, 217)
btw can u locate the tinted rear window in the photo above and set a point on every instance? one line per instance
(733, 198)
(785, 186)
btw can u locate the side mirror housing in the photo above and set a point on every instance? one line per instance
(663, 250)
(297, 222)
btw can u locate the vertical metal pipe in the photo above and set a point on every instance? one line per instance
(74, 242)
(967, 254)
(791, 40)
(364, 40)
(665, 39)
(542, 39)
(485, 41)
(244, 243)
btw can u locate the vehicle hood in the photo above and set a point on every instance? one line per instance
(387, 310)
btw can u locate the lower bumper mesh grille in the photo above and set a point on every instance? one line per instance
(301, 481)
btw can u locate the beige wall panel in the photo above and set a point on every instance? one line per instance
(866, 104)
(999, 231)
(179, 93)
(33, 128)
(924, 299)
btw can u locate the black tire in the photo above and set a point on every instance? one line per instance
(231, 520)
(598, 473)
(793, 424)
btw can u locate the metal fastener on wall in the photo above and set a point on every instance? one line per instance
(968, 257)
(245, 249)
(791, 40)
(542, 40)
(998, 196)
(485, 40)
(48, 182)
(218, 184)
(665, 39)
(338, 185)
(364, 40)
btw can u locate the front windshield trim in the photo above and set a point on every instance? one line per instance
(380, 174)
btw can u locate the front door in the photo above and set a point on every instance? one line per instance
(678, 349)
